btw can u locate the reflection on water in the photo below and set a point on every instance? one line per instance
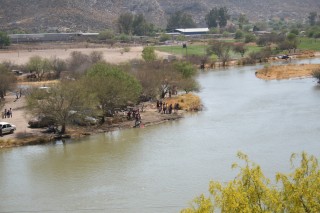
(161, 168)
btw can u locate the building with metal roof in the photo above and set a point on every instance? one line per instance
(192, 31)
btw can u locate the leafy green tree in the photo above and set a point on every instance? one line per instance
(139, 25)
(295, 31)
(242, 20)
(164, 37)
(312, 18)
(106, 35)
(40, 66)
(62, 102)
(223, 16)
(212, 18)
(217, 16)
(239, 34)
(125, 22)
(291, 36)
(4, 40)
(187, 69)
(180, 20)
(123, 38)
(7, 80)
(249, 38)
(251, 191)
(149, 54)
(112, 86)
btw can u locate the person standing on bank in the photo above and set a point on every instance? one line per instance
(10, 113)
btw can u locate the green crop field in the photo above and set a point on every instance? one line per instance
(309, 44)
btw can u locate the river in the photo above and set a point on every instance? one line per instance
(162, 168)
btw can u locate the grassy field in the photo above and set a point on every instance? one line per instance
(309, 44)
(200, 50)
(190, 50)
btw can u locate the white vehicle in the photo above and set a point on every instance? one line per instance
(7, 128)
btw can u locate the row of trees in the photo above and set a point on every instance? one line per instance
(131, 24)
(134, 24)
(251, 191)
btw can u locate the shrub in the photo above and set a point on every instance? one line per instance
(250, 38)
(164, 37)
(126, 49)
(238, 34)
(148, 54)
(316, 74)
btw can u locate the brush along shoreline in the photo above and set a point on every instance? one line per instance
(287, 71)
(149, 116)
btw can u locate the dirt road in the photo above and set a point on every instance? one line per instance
(19, 116)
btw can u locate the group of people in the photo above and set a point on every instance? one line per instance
(164, 108)
(134, 114)
(6, 113)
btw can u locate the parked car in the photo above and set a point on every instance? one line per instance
(40, 122)
(17, 72)
(7, 127)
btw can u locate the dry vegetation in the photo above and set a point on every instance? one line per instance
(287, 71)
(188, 102)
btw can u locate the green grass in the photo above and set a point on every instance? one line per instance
(309, 44)
(200, 50)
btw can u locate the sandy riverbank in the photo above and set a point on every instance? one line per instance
(287, 71)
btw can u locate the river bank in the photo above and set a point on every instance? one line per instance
(287, 71)
(149, 116)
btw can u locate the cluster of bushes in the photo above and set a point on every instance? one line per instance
(93, 82)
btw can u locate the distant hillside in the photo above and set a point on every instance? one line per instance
(92, 15)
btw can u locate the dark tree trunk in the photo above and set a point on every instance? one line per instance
(163, 94)
(63, 129)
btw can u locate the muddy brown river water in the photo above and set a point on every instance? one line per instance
(162, 168)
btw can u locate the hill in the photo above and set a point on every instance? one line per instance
(92, 15)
